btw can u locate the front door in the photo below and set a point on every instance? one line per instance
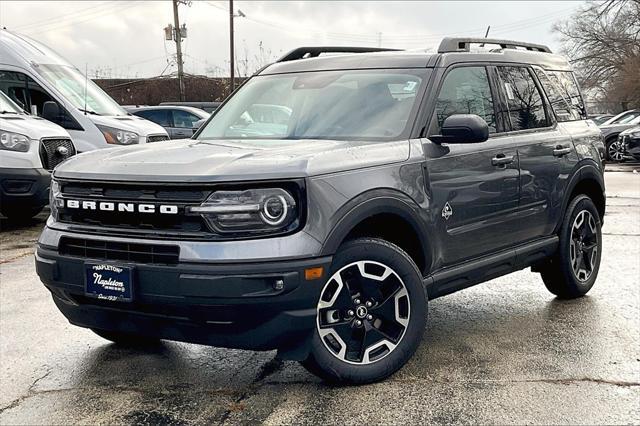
(474, 187)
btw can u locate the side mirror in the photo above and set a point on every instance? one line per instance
(51, 111)
(462, 128)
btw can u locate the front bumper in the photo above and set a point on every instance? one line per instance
(23, 189)
(225, 304)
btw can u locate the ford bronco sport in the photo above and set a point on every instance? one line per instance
(328, 199)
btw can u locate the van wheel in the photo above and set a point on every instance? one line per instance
(371, 314)
(573, 270)
(124, 339)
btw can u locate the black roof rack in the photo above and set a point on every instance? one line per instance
(462, 44)
(312, 52)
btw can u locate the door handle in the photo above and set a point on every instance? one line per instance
(502, 160)
(560, 150)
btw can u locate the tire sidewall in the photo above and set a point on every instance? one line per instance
(577, 205)
(393, 257)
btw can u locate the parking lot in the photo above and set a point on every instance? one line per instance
(503, 352)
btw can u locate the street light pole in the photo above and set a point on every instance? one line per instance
(231, 46)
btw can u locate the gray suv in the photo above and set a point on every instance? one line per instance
(322, 222)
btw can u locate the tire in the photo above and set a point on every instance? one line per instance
(614, 151)
(573, 270)
(124, 339)
(390, 303)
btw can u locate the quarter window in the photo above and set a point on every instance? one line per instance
(524, 101)
(563, 94)
(465, 90)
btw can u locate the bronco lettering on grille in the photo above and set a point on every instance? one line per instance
(109, 206)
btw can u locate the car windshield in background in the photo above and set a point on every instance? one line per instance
(83, 93)
(7, 106)
(347, 105)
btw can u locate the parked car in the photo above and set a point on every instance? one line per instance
(614, 150)
(206, 106)
(30, 147)
(630, 141)
(178, 121)
(599, 119)
(398, 178)
(44, 84)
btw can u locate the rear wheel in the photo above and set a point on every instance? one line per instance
(371, 314)
(573, 270)
(124, 339)
(615, 150)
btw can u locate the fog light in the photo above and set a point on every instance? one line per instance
(278, 285)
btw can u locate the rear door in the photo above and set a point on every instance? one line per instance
(474, 187)
(545, 151)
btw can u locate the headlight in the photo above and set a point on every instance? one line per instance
(14, 141)
(251, 211)
(54, 198)
(118, 136)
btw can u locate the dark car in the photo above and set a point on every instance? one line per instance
(630, 141)
(329, 199)
(178, 121)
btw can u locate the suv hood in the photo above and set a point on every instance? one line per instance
(131, 123)
(227, 160)
(34, 128)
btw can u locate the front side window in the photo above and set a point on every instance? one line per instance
(465, 90)
(346, 105)
(563, 94)
(184, 119)
(525, 107)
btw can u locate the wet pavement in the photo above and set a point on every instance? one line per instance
(502, 352)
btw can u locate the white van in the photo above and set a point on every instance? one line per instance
(45, 84)
(30, 147)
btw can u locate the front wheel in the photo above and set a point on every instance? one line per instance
(574, 269)
(370, 316)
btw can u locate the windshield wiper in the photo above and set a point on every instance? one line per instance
(8, 112)
(88, 111)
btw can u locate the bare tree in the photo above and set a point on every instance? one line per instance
(602, 42)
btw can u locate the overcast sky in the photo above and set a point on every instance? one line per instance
(126, 38)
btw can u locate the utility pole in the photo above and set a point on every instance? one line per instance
(178, 39)
(231, 47)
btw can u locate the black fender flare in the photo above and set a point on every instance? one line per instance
(587, 169)
(378, 201)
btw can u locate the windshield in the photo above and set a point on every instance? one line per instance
(72, 84)
(346, 105)
(626, 118)
(8, 106)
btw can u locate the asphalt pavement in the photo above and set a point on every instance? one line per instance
(503, 352)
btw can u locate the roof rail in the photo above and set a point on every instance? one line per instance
(462, 44)
(312, 52)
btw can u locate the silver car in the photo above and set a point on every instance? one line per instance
(612, 128)
(178, 121)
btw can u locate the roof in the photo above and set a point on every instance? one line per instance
(194, 110)
(451, 51)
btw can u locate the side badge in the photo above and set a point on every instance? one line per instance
(447, 211)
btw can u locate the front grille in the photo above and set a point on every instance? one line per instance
(169, 225)
(128, 252)
(55, 151)
(157, 138)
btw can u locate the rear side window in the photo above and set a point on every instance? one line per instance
(158, 116)
(563, 93)
(525, 108)
(184, 119)
(465, 90)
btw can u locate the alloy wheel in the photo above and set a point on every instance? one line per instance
(616, 151)
(584, 245)
(363, 312)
